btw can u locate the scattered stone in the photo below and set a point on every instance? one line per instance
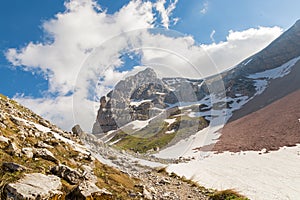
(41, 144)
(164, 181)
(78, 131)
(17, 121)
(4, 140)
(28, 152)
(147, 194)
(44, 123)
(13, 149)
(35, 186)
(45, 154)
(87, 189)
(88, 173)
(67, 173)
(12, 167)
(2, 125)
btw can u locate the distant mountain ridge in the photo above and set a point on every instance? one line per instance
(231, 95)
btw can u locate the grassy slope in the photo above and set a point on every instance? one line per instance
(154, 135)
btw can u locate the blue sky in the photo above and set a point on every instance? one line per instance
(207, 21)
(20, 22)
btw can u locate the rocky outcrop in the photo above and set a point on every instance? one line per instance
(34, 186)
(68, 174)
(86, 190)
(76, 130)
(12, 167)
(13, 149)
(45, 154)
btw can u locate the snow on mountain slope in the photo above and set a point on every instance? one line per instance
(273, 175)
(262, 78)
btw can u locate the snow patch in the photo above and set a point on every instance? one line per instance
(170, 121)
(170, 132)
(259, 176)
(139, 124)
(138, 103)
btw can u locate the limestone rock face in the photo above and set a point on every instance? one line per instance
(45, 154)
(86, 190)
(34, 186)
(65, 172)
(138, 97)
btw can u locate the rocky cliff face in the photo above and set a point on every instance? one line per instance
(142, 96)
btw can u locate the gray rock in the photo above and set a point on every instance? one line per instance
(41, 144)
(12, 167)
(67, 173)
(28, 152)
(87, 189)
(33, 187)
(45, 154)
(2, 125)
(147, 194)
(88, 173)
(17, 121)
(78, 131)
(4, 140)
(13, 149)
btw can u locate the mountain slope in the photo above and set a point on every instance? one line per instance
(33, 150)
(270, 128)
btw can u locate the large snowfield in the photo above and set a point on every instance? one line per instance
(259, 176)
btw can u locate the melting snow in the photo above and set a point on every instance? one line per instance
(138, 103)
(261, 78)
(139, 124)
(170, 121)
(273, 175)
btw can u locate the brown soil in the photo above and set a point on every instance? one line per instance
(271, 127)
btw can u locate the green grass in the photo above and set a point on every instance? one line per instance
(227, 195)
(154, 135)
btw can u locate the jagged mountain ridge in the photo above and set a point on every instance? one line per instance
(142, 96)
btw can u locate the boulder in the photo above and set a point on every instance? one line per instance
(41, 144)
(4, 140)
(13, 149)
(45, 154)
(88, 174)
(67, 173)
(76, 130)
(12, 167)
(28, 152)
(33, 187)
(86, 190)
(147, 195)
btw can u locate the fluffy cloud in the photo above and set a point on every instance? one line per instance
(165, 12)
(240, 45)
(204, 8)
(84, 46)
